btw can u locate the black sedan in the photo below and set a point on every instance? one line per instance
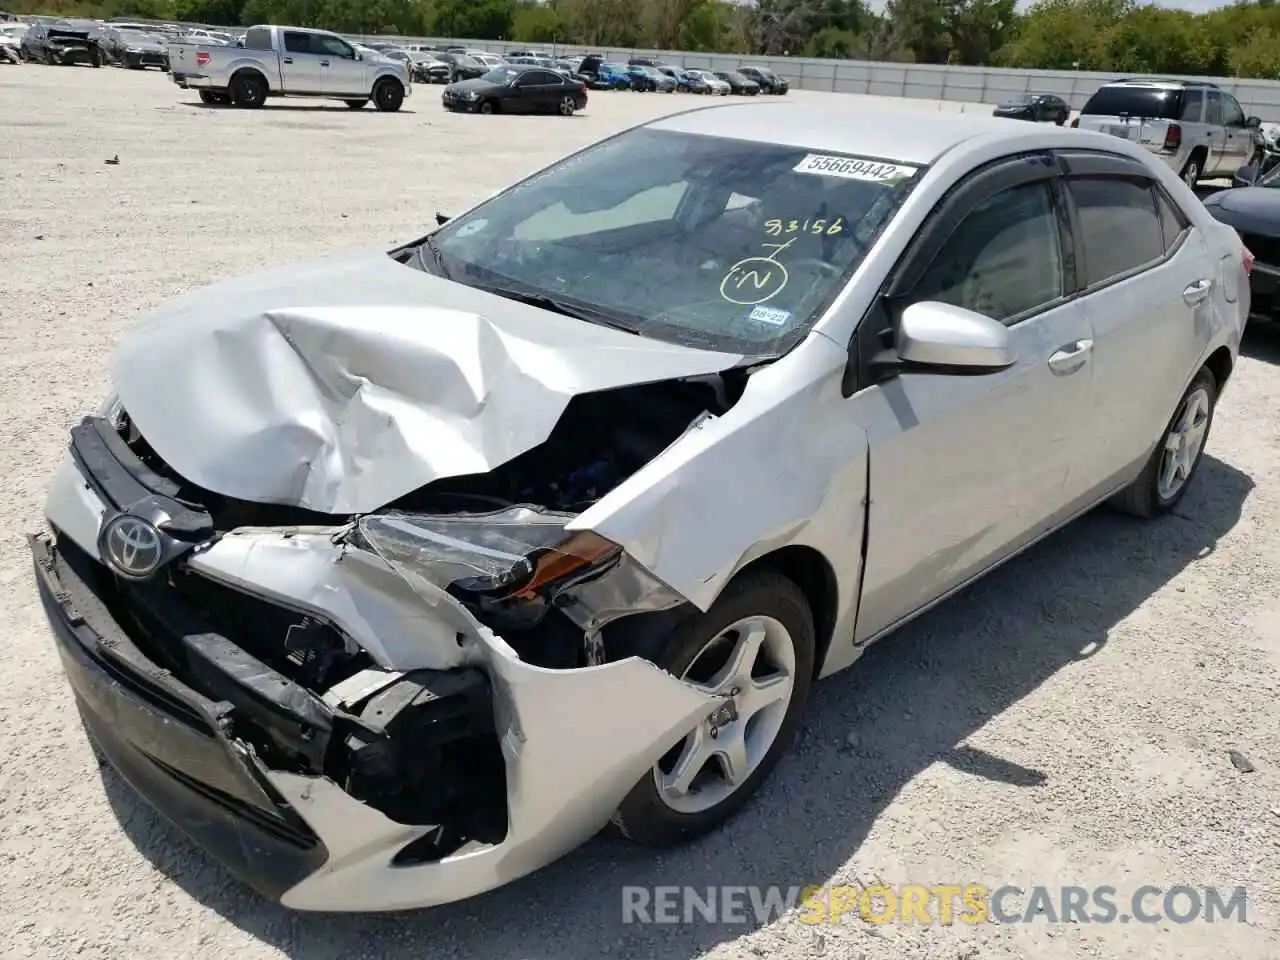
(768, 81)
(739, 84)
(133, 49)
(517, 89)
(1254, 212)
(1037, 107)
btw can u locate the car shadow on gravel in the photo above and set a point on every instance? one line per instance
(332, 106)
(910, 702)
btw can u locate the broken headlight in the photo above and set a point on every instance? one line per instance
(511, 553)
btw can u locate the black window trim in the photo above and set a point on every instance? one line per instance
(1099, 165)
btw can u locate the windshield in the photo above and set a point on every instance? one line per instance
(502, 75)
(1123, 101)
(133, 36)
(705, 241)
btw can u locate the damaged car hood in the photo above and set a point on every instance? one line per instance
(342, 384)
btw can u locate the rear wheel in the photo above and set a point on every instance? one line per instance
(248, 90)
(567, 106)
(754, 651)
(388, 95)
(1167, 474)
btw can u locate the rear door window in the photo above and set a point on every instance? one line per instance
(297, 42)
(1144, 102)
(1120, 227)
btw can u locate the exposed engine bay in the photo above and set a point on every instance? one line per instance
(305, 698)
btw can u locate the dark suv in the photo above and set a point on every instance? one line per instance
(766, 79)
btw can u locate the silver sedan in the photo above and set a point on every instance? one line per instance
(392, 578)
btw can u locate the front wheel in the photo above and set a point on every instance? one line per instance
(754, 652)
(486, 106)
(388, 95)
(1165, 478)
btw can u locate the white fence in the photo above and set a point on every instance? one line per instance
(924, 81)
(1260, 98)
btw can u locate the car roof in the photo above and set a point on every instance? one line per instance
(904, 135)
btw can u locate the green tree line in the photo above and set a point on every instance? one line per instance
(1110, 35)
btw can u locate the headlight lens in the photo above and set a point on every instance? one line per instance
(513, 552)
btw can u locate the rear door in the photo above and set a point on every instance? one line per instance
(300, 64)
(1219, 158)
(1149, 282)
(1239, 138)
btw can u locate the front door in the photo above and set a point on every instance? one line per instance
(299, 64)
(538, 91)
(966, 469)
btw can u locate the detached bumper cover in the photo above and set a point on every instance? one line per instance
(166, 740)
(573, 742)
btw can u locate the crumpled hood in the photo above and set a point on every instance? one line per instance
(342, 384)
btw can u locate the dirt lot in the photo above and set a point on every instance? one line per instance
(1068, 721)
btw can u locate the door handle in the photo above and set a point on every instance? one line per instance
(324, 63)
(1070, 357)
(1197, 292)
(287, 60)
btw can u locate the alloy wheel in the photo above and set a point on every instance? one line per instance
(1183, 443)
(750, 666)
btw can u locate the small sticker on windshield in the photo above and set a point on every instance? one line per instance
(771, 316)
(853, 168)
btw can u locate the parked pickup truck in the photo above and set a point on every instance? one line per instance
(289, 62)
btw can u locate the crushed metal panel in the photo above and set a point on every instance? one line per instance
(574, 742)
(354, 590)
(786, 465)
(341, 385)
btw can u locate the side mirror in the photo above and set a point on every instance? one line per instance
(442, 219)
(1254, 122)
(1246, 176)
(359, 55)
(936, 337)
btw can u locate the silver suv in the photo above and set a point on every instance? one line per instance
(1195, 127)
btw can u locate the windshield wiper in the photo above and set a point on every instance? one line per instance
(544, 302)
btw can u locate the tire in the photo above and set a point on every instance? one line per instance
(355, 104)
(388, 95)
(248, 90)
(1191, 171)
(567, 106)
(648, 816)
(487, 107)
(1150, 495)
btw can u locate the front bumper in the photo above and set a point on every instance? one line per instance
(572, 742)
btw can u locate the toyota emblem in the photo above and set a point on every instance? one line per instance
(132, 547)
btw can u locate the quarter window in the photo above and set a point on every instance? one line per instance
(1173, 222)
(1003, 260)
(1120, 228)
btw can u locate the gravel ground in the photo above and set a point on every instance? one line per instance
(1067, 721)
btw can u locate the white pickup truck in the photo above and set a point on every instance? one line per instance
(288, 62)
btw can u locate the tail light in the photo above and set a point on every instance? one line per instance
(1246, 257)
(1075, 124)
(202, 57)
(1173, 138)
